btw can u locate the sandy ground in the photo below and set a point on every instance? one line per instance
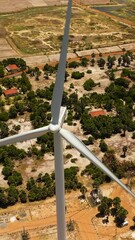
(40, 218)
(6, 6)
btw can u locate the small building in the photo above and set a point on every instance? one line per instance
(10, 92)
(97, 112)
(96, 196)
(12, 68)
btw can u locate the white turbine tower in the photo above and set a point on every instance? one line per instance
(58, 115)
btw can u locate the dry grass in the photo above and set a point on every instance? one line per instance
(36, 31)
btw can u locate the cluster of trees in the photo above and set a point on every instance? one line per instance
(18, 61)
(21, 83)
(124, 60)
(109, 159)
(113, 206)
(36, 189)
(83, 62)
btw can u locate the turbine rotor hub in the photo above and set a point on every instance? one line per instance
(54, 128)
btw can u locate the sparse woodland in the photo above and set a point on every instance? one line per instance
(118, 97)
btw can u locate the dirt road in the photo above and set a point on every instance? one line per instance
(89, 227)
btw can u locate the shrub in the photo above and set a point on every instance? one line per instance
(77, 75)
(89, 84)
(68, 155)
(89, 71)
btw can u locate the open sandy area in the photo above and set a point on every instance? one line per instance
(40, 219)
(6, 6)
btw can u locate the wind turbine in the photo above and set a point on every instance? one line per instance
(55, 126)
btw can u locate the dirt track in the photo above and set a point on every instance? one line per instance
(118, 19)
(89, 227)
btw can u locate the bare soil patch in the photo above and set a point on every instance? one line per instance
(37, 32)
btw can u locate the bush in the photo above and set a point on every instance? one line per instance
(77, 75)
(68, 155)
(103, 146)
(89, 71)
(73, 160)
(133, 136)
(89, 84)
(73, 64)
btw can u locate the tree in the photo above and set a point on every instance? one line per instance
(25, 235)
(15, 179)
(12, 112)
(89, 84)
(23, 196)
(104, 207)
(112, 75)
(1, 71)
(77, 75)
(84, 62)
(70, 226)
(119, 61)
(92, 61)
(134, 221)
(103, 146)
(116, 202)
(4, 130)
(101, 63)
(83, 190)
(124, 151)
(73, 64)
(12, 195)
(121, 214)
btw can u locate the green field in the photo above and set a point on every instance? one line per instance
(40, 30)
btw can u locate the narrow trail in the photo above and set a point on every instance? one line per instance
(88, 226)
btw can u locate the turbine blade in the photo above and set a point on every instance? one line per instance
(59, 84)
(24, 136)
(75, 142)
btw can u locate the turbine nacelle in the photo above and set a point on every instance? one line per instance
(55, 127)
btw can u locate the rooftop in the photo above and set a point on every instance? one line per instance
(98, 112)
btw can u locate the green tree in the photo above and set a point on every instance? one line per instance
(3, 199)
(104, 207)
(83, 190)
(4, 130)
(1, 71)
(73, 64)
(70, 226)
(84, 62)
(12, 195)
(12, 112)
(92, 61)
(15, 179)
(116, 202)
(89, 84)
(134, 221)
(23, 196)
(124, 151)
(103, 146)
(101, 62)
(25, 235)
(77, 75)
(121, 215)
